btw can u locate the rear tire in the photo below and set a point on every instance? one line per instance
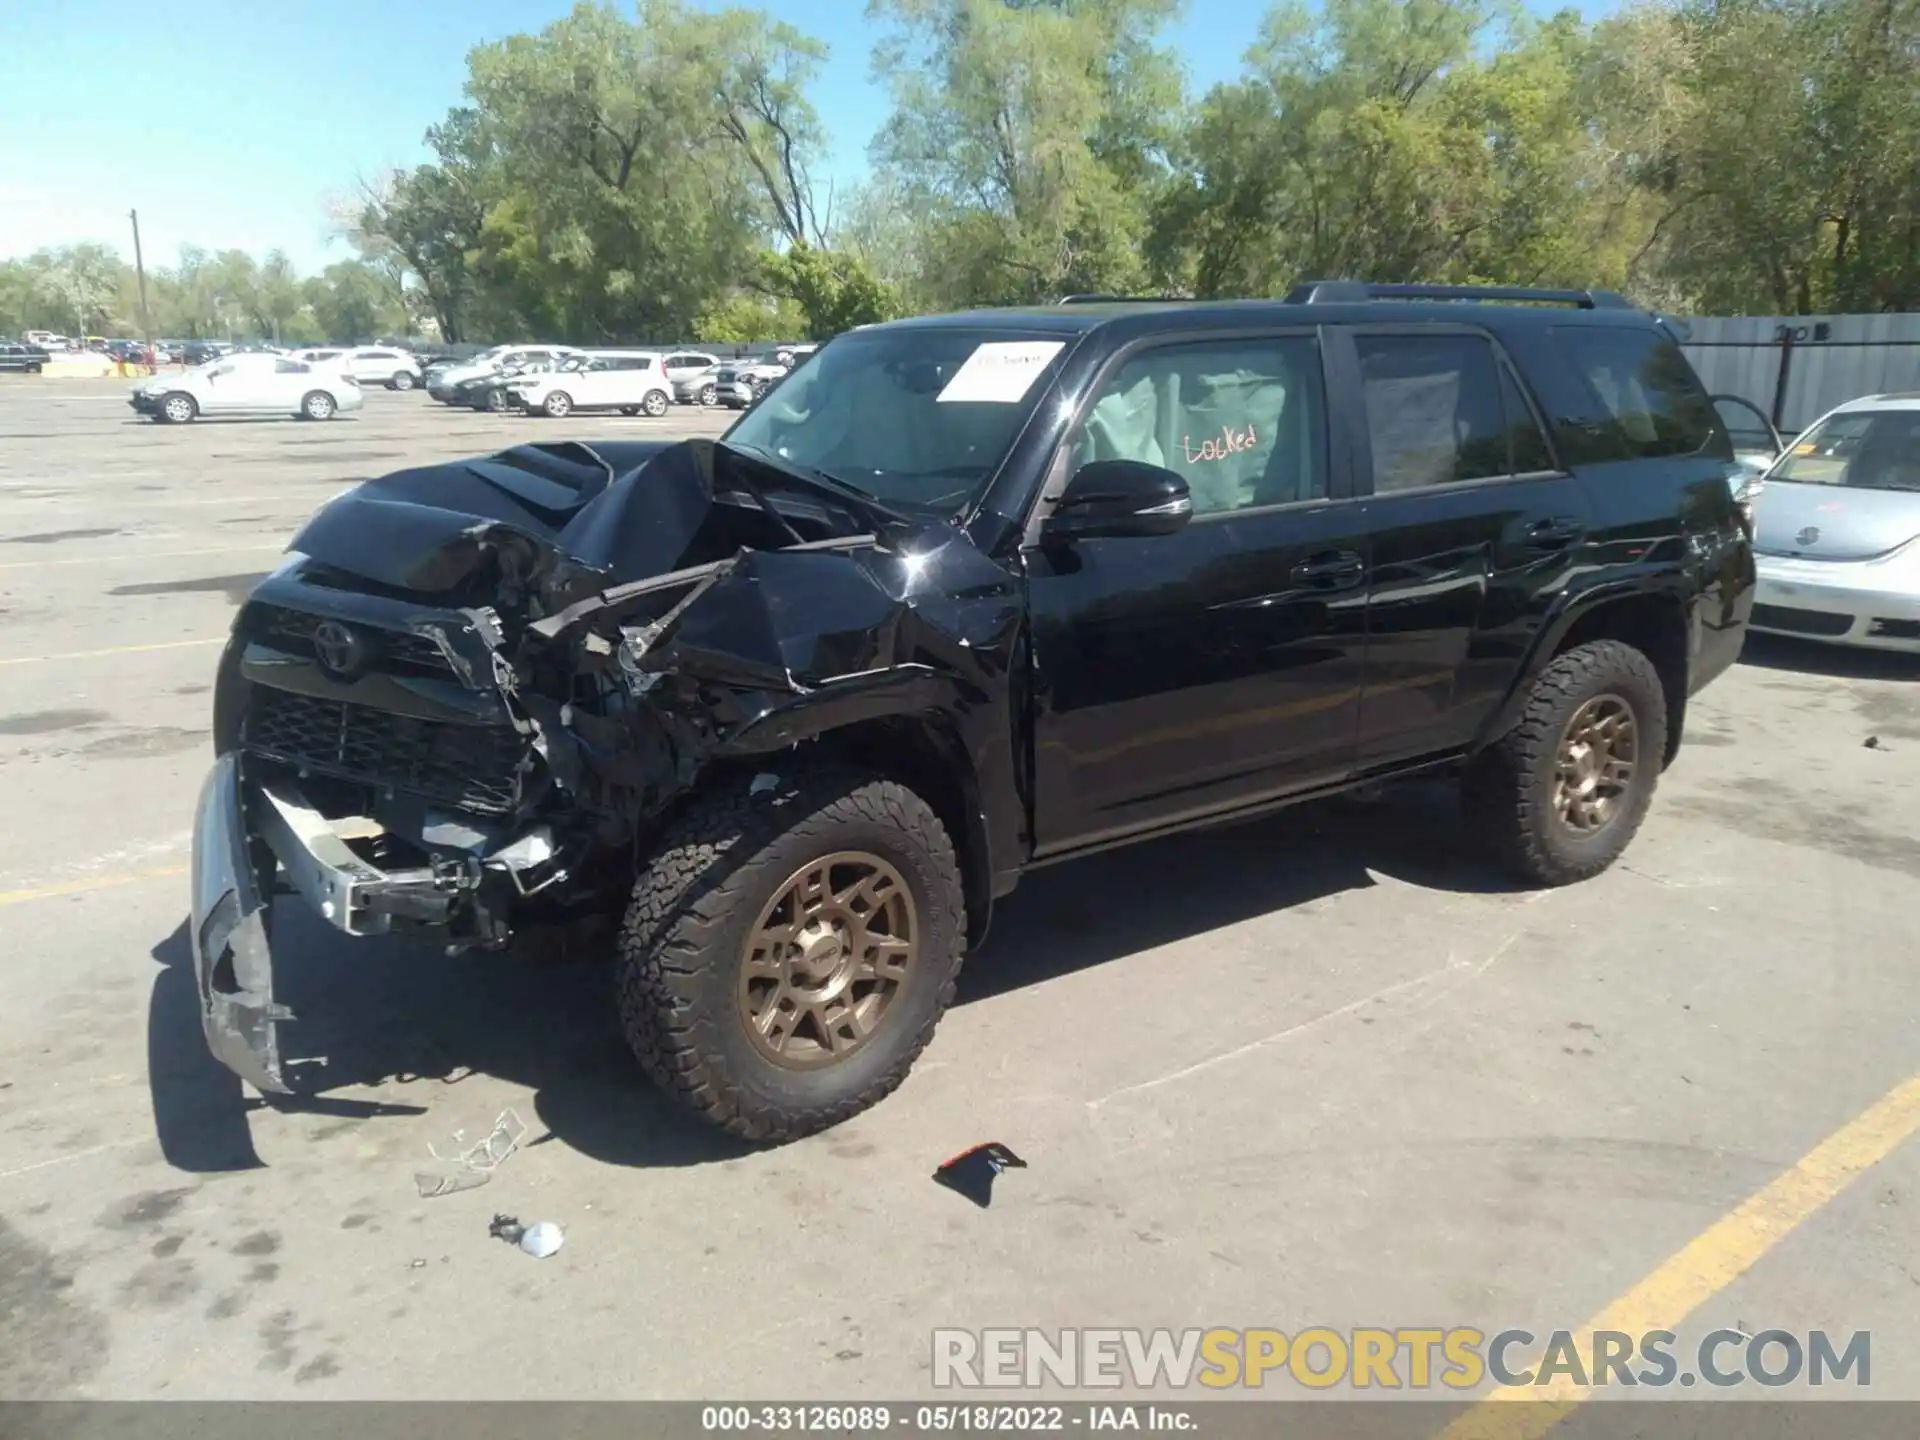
(692, 974)
(316, 405)
(1560, 796)
(655, 404)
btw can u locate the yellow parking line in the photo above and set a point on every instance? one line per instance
(1708, 1263)
(83, 887)
(112, 650)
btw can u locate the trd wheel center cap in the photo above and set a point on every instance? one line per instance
(1586, 769)
(823, 946)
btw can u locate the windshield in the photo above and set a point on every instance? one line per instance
(1861, 450)
(918, 417)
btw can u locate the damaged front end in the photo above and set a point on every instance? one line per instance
(476, 688)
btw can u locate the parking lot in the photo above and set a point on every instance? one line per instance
(1322, 1070)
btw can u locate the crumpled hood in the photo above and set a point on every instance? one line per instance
(429, 528)
(556, 522)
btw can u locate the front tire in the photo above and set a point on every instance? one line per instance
(558, 405)
(709, 395)
(787, 954)
(177, 408)
(1559, 797)
(317, 405)
(401, 380)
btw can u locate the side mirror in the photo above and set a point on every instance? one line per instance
(1120, 499)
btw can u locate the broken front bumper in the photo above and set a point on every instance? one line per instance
(231, 958)
(249, 832)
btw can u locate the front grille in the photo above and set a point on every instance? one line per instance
(472, 767)
(1895, 629)
(393, 652)
(1801, 622)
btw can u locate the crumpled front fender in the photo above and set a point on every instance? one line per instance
(232, 956)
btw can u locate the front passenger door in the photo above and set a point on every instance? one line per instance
(1179, 676)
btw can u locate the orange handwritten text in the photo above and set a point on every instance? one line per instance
(1229, 442)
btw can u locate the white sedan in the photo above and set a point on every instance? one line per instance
(630, 381)
(249, 384)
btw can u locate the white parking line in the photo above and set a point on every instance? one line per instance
(113, 650)
(141, 555)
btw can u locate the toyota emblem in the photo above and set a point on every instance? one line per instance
(1807, 536)
(341, 651)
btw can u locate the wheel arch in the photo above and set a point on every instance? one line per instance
(919, 747)
(1654, 618)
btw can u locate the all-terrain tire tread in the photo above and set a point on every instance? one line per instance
(1499, 792)
(680, 904)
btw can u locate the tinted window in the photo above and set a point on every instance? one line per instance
(1242, 422)
(1644, 398)
(1434, 413)
(290, 367)
(1528, 445)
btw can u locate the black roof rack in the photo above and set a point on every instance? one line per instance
(1095, 298)
(1350, 292)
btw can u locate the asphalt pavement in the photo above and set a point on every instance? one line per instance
(1326, 1069)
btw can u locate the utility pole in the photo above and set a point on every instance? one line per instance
(140, 273)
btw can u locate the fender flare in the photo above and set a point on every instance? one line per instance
(916, 697)
(1570, 608)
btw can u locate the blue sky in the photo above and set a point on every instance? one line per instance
(233, 130)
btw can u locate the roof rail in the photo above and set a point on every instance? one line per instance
(1350, 292)
(1095, 298)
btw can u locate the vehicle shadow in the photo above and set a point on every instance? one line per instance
(393, 1013)
(1810, 657)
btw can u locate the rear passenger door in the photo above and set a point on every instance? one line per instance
(1190, 674)
(1473, 529)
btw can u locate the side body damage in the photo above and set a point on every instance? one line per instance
(475, 689)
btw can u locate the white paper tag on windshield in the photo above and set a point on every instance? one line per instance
(1000, 372)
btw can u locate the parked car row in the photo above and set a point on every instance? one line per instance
(686, 377)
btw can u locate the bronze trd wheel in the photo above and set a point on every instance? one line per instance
(826, 958)
(1599, 750)
(1560, 795)
(790, 946)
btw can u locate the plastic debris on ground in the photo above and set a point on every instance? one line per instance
(540, 1239)
(1873, 743)
(472, 1166)
(971, 1172)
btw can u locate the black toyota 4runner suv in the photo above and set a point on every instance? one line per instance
(964, 595)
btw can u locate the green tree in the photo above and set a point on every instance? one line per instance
(81, 284)
(748, 319)
(1024, 140)
(351, 303)
(833, 291)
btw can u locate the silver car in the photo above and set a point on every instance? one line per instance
(690, 373)
(1837, 529)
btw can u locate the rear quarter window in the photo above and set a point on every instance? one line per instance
(1634, 397)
